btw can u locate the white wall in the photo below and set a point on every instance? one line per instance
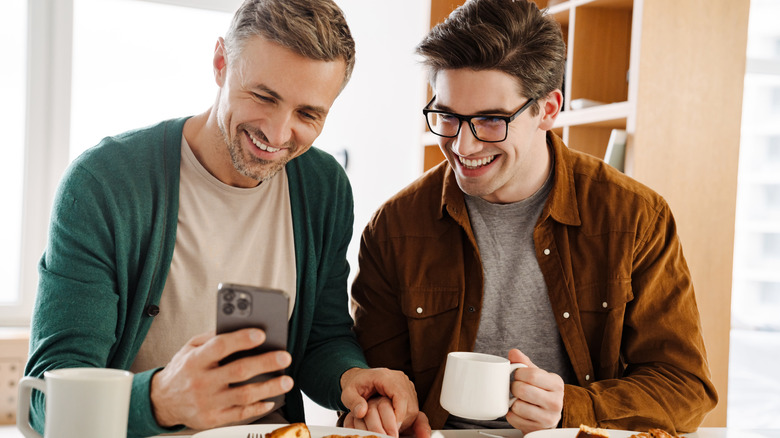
(378, 117)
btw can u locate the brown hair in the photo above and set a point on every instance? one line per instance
(315, 29)
(512, 36)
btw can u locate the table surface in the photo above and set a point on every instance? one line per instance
(704, 432)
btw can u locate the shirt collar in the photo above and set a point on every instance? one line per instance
(561, 204)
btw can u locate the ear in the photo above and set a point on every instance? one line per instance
(220, 62)
(550, 107)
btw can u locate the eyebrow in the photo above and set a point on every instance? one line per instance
(320, 111)
(492, 111)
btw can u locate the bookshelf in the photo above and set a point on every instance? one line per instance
(671, 74)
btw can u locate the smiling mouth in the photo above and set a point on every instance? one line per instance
(476, 164)
(262, 146)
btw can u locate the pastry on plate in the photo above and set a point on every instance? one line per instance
(295, 430)
(587, 431)
(299, 430)
(654, 433)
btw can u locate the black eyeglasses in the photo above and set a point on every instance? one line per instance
(490, 129)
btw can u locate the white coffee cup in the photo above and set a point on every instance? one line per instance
(476, 385)
(80, 403)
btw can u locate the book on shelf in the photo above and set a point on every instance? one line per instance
(616, 149)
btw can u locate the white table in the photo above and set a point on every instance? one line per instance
(704, 432)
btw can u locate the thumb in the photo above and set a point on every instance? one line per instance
(354, 402)
(421, 427)
(517, 356)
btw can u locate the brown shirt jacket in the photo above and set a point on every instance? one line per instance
(618, 283)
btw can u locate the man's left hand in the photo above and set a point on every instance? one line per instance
(539, 396)
(380, 418)
(358, 385)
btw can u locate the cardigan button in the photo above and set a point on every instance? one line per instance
(419, 310)
(546, 251)
(566, 315)
(152, 310)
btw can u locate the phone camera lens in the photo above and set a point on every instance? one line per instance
(228, 309)
(228, 296)
(242, 304)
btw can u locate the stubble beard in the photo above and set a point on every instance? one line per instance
(245, 162)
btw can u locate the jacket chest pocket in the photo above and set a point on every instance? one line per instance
(433, 318)
(602, 310)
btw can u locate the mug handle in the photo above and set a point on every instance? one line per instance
(512, 368)
(26, 385)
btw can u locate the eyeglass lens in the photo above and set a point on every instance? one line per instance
(485, 128)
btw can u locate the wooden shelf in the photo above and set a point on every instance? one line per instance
(612, 115)
(568, 5)
(561, 11)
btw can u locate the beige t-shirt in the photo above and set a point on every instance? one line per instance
(225, 234)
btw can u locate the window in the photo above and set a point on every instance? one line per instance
(160, 73)
(77, 52)
(13, 78)
(755, 328)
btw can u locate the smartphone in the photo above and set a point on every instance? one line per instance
(242, 306)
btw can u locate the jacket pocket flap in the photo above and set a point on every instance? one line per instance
(419, 302)
(604, 297)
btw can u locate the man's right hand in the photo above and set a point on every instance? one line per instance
(193, 390)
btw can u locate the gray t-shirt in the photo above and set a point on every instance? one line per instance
(516, 310)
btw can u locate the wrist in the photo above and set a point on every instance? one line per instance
(158, 406)
(347, 375)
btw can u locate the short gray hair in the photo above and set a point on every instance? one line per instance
(315, 29)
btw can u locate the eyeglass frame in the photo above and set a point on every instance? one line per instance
(461, 118)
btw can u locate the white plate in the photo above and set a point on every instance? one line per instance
(242, 431)
(572, 432)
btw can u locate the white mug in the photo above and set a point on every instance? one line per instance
(80, 403)
(476, 385)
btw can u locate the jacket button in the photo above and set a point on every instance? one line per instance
(472, 309)
(152, 310)
(419, 310)
(566, 315)
(587, 376)
(546, 251)
(604, 304)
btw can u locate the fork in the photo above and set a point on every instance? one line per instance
(254, 435)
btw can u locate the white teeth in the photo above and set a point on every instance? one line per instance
(473, 164)
(260, 145)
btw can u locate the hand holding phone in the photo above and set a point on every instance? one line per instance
(242, 306)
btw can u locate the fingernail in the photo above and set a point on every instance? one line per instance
(257, 336)
(287, 383)
(283, 358)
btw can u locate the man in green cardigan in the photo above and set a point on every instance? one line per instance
(147, 224)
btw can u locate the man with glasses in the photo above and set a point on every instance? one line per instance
(520, 247)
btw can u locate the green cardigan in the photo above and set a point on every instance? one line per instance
(113, 230)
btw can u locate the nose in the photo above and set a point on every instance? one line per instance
(465, 143)
(278, 129)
